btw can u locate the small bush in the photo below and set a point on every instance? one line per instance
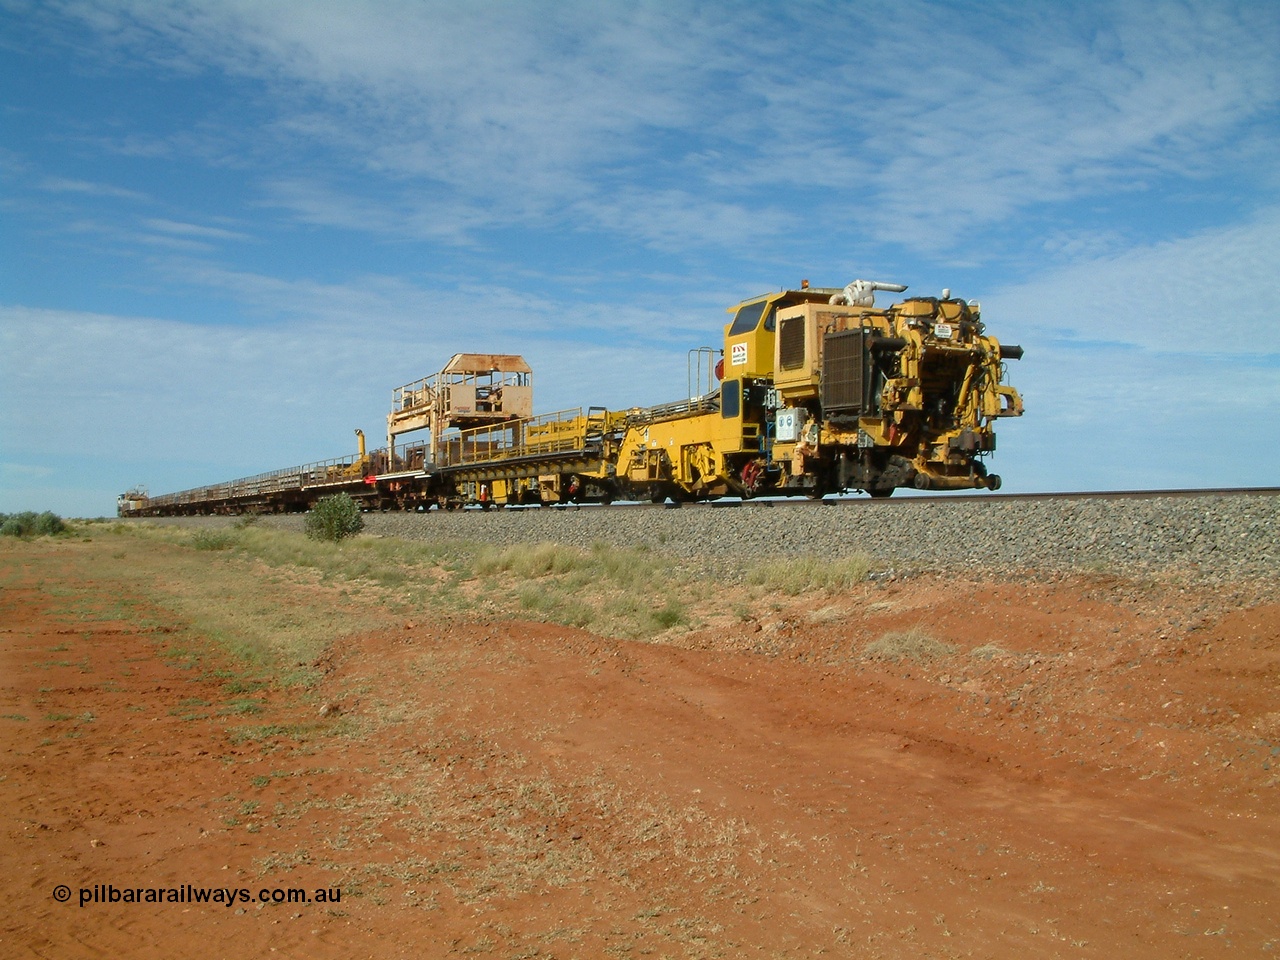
(334, 518)
(669, 616)
(50, 524)
(211, 540)
(31, 524)
(913, 644)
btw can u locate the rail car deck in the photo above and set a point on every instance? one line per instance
(560, 444)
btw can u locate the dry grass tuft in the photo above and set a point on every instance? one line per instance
(913, 644)
(807, 574)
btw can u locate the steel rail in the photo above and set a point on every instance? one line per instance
(856, 501)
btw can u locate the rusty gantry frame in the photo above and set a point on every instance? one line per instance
(473, 390)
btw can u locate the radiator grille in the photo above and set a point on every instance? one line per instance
(843, 363)
(791, 343)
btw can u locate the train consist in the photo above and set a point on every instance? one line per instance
(819, 391)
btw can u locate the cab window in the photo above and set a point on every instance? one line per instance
(730, 399)
(747, 318)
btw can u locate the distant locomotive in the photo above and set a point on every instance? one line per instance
(819, 392)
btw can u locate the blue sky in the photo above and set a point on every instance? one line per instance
(229, 229)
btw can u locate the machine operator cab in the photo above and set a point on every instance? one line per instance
(749, 357)
(749, 337)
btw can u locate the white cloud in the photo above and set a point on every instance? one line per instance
(1002, 109)
(931, 117)
(398, 316)
(1209, 293)
(178, 404)
(66, 185)
(677, 219)
(102, 382)
(1137, 419)
(199, 231)
(1146, 369)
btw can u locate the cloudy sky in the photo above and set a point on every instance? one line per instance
(230, 228)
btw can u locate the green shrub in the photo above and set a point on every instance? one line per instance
(333, 518)
(669, 616)
(49, 524)
(211, 540)
(31, 524)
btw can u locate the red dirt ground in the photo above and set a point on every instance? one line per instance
(1098, 779)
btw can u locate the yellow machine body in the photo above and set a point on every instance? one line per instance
(820, 394)
(553, 458)
(887, 396)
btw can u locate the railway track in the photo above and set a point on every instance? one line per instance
(1216, 534)
(858, 501)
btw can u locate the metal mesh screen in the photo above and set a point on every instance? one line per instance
(842, 372)
(791, 343)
